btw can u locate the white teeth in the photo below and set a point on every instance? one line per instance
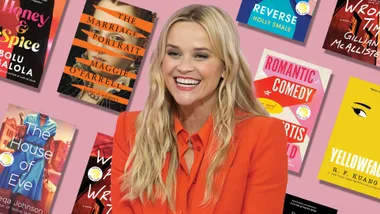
(186, 86)
(187, 81)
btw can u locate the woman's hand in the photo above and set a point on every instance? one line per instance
(21, 114)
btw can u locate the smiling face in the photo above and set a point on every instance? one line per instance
(119, 37)
(190, 68)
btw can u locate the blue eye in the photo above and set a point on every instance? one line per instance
(360, 112)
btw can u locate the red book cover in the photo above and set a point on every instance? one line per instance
(94, 195)
(354, 30)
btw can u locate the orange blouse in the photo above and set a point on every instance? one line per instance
(255, 170)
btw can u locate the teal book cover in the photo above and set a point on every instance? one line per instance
(34, 149)
(287, 18)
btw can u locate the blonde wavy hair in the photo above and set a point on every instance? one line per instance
(155, 136)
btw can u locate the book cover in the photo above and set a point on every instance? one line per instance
(27, 32)
(296, 205)
(354, 30)
(287, 18)
(94, 195)
(292, 90)
(34, 148)
(352, 157)
(106, 54)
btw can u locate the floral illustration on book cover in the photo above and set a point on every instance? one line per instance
(34, 148)
(94, 195)
(292, 91)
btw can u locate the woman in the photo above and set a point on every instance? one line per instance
(203, 143)
(29, 167)
(122, 63)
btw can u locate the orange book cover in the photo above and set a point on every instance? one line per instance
(108, 49)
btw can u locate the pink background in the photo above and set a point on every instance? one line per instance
(90, 120)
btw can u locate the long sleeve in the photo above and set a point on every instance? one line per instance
(119, 158)
(268, 173)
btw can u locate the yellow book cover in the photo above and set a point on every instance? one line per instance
(352, 158)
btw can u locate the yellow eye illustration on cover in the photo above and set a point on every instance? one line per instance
(353, 150)
(6, 159)
(358, 119)
(95, 173)
(359, 110)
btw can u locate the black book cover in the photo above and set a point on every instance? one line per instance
(296, 205)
